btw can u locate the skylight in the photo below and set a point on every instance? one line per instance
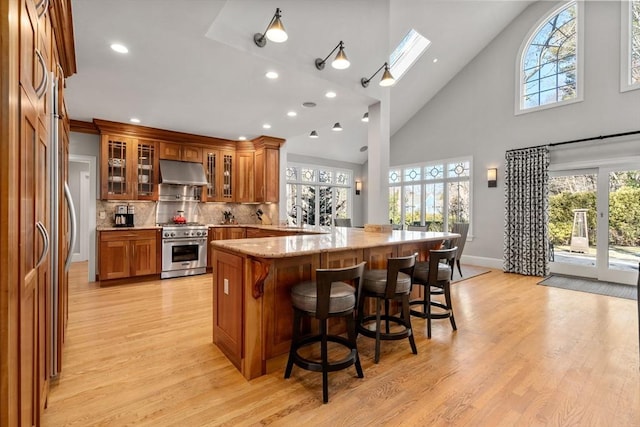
(407, 53)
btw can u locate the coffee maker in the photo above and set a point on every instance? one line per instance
(124, 216)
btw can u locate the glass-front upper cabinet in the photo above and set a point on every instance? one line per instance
(218, 166)
(147, 164)
(117, 158)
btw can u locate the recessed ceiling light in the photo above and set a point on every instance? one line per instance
(292, 114)
(271, 75)
(242, 138)
(330, 94)
(435, 60)
(308, 104)
(266, 126)
(134, 120)
(119, 48)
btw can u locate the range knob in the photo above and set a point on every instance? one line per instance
(173, 234)
(199, 233)
(186, 233)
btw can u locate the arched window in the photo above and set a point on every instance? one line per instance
(550, 61)
(630, 67)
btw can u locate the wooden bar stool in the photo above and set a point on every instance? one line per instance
(435, 276)
(392, 284)
(329, 296)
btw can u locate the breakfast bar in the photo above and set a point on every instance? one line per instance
(252, 279)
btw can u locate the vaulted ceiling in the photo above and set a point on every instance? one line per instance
(193, 67)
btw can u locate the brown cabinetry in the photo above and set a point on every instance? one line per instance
(129, 168)
(127, 253)
(244, 177)
(227, 302)
(182, 152)
(267, 169)
(219, 167)
(223, 233)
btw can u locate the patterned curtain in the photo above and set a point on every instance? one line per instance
(526, 234)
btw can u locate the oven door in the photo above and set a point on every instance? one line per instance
(183, 254)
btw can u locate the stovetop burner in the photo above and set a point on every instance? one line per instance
(187, 224)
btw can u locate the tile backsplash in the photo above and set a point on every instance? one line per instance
(206, 213)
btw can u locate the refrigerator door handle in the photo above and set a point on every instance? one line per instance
(45, 239)
(72, 217)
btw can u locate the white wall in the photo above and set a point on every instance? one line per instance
(474, 114)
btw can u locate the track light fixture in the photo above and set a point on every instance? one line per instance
(339, 63)
(313, 134)
(337, 127)
(387, 78)
(274, 32)
(365, 118)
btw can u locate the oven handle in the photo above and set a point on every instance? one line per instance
(185, 241)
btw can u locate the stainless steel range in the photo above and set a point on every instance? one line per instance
(184, 250)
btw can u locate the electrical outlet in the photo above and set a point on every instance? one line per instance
(226, 286)
(102, 215)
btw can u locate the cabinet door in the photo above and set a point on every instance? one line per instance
(30, 252)
(147, 175)
(31, 61)
(226, 190)
(244, 177)
(235, 233)
(191, 154)
(118, 168)
(228, 315)
(114, 259)
(272, 175)
(211, 163)
(143, 257)
(170, 151)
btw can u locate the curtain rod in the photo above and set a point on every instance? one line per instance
(573, 141)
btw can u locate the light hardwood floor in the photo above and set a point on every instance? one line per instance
(523, 355)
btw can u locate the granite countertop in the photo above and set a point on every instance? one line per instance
(143, 227)
(327, 240)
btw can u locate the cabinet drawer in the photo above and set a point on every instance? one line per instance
(110, 236)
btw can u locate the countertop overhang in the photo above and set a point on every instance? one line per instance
(324, 239)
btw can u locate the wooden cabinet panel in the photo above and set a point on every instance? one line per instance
(144, 257)
(227, 312)
(129, 168)
(377, 257)
(341, 259)
(31, 64)
(267, 177)
(175, 151)
(114, 259)
(219, 167)
(234, 233)
(148, 170)
(191, 154)
(127, 253)
(244, 177)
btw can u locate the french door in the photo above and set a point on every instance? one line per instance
(593, 222)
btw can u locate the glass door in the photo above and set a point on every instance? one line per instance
(593, 217)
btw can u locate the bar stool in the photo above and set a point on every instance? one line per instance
(392, 284)
(329, 296)
(435, 276)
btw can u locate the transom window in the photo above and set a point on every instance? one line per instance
(630, 75)
(550, 61)
(434, 194)
(317, 194)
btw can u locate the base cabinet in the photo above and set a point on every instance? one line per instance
(130, 253)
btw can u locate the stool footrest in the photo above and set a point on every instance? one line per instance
(398, 335)
(444, 314)
(316, 366)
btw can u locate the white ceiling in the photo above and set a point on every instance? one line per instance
(192, 65)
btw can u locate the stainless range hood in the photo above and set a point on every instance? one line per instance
(182, 173)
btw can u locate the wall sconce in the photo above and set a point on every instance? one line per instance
(387, 78)
(339, 63)
(492, 177)
(274, 32)
(358, 187)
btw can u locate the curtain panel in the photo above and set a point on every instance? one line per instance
(526, 232)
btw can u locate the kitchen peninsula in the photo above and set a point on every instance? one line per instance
(252, 279)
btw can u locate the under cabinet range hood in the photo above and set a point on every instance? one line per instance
(182, 173)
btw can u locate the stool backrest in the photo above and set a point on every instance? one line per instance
(437, 255)
(394, 266)
(325, 277)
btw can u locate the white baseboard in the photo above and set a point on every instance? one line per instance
(482, 261)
